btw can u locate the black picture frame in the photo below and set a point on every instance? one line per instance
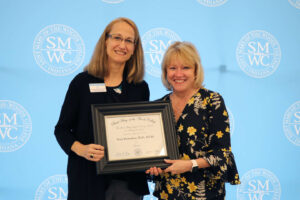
(101, 111)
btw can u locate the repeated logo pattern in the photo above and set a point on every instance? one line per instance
(15, 126)
(58, 49)
(291, 123)
(258, 54)
(259, 184)
(54, 187)
(155, 42)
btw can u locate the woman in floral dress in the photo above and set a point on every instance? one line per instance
(202, 126)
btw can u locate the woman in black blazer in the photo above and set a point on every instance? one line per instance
(114, 74)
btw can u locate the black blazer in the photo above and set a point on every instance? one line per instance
(75, 123)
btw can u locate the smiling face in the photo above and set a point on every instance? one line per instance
(181, 75)
(119, 52)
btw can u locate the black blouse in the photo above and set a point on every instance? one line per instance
(203, 132)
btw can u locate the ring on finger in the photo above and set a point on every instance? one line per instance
(92, 155)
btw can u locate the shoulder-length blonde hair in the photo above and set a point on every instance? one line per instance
(134, 67)
(188, 53)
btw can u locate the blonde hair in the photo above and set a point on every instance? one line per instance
(188, 53)
(134, 67)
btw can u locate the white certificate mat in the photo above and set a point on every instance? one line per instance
(135, 136)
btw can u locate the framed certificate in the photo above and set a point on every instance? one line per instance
(136, 136)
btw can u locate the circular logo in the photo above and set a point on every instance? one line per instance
(155, 42)
(295, 3)
(258, 54)
(112, 1)
(231, 121)
(58, 50)
(291, 123)
(259, 184)
(212, 3)
(15, 126)
(54, 187)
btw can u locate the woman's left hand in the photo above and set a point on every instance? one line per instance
(178, 166)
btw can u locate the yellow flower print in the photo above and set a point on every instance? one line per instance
(227, 130)
(185, 157)
(192, 142)
(223, 168)
(180, 128)
(223, 149)
(175, 182)
(219, 134)
(225, 113)
(183, 179)
(191, 130)
(236, 176)
(192, 187)
(166, 175)
(191, 101)
(169, 188)
(204, 102)
(164, 195)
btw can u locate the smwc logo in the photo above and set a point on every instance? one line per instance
(258, 54)
(15, 126)
(291, 123)
(259, 184)
(155, 43)
(54, 188)
(58, 50)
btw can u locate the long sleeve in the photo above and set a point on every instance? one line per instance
(219, 155)
(66, 124)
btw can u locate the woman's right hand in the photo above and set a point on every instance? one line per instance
(92, 152)
(154, 171)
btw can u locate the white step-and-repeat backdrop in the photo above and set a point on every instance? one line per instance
(249, 50)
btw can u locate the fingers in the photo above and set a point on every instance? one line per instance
(172, 170)
(154, 171)
(94, 152)
(97, 146)
(160, 171)
(178, 166)
(95, 157)
(169, 169)
(169, 161)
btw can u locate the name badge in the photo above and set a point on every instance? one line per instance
(97, 87)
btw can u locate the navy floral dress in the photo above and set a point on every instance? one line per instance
(203, 132)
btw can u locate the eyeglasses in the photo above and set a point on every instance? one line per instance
(119, 39)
